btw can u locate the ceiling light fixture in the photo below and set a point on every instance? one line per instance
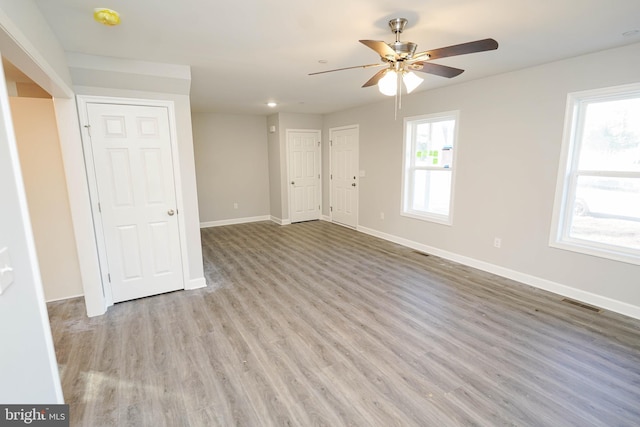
(271, 104)
(106, 16)
(388, 85)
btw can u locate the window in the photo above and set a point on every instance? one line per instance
(428, 166)
(597, 208)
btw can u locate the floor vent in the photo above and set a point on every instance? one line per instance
(420, 253)
(582, 305)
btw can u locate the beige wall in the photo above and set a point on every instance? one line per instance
(43, 173)
(510, 133)
(275, 176)
(232, 166)
(277, 143)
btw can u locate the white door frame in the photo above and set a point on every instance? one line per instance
(83, 100)
(319, 152)
(331, 131)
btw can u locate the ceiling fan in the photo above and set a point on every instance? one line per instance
(401, 60)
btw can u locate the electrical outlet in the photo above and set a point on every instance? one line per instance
(235, 206)
(381, 215)
(497, 242)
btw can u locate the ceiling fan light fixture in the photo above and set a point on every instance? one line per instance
(388, 84)
(411, 81)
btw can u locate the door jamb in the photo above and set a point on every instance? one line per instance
(83, 115)
(331, 131)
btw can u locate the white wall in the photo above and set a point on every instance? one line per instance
(48, 202)
(28, 367)
(231, 157)
(510, 132)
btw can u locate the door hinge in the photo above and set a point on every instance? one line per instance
(99, 208)
(318, 143)
(331, 176)
(109, 277)
(318, 176)
(318, 207)
(88, 129)
(331, 142)
(331, 208)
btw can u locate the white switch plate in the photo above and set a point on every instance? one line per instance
(6, 270)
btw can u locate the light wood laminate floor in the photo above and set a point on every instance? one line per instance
(315, 324)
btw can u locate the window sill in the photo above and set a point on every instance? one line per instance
(587, 248)
(438, 219)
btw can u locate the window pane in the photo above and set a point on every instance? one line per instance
(607, 210)
(611, 136)
(434, 143)
(431, 191)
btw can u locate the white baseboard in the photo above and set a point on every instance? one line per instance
(536, 282)
(198, 283)
(325, 218)
(64, 298)
(280, 221)
(234, 221)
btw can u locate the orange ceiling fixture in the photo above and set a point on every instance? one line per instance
(106, 16)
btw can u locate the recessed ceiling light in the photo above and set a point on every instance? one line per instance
(631, 33)
(271, 104)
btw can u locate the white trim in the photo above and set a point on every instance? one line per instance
(198, 283)
(83, 101)
(428, 216)
(325, 218)
(80, 205)
(65, 298)
(559, 235)
(233, 221)
(280, 221)
(534, 281)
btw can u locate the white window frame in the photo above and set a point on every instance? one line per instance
(408, 166)
(568, 175)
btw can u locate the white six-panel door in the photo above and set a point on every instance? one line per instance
(344, 173)
(132, 159)
(304, 174)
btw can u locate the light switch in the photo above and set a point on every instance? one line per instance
(362, 173)
(6, 270)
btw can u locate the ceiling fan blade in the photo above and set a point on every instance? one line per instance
(457, 49)
(376, 77)
(437, 69)
(347, 68)
(381, 48)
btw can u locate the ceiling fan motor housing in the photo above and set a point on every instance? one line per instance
(404, 49)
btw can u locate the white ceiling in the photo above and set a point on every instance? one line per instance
(244, 53)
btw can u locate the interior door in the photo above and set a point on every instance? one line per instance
(304, 174)
(344, 175)
(132, 159)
